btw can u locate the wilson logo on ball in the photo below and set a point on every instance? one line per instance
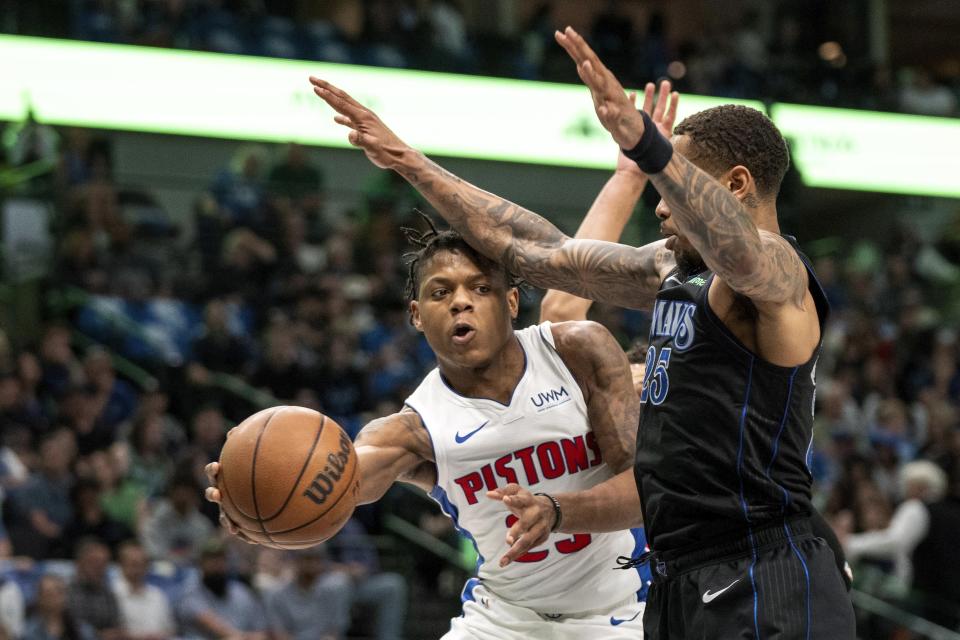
(323, 482)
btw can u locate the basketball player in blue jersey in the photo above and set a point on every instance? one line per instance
(551, 408)
(737, 317)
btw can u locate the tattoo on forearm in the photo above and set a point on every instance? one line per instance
(535, 249)
(727, 238)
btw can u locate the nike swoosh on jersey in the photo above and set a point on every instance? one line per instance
(463, 438)
(708, 597)
(618, 621)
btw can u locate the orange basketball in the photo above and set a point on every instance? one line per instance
(288, 477)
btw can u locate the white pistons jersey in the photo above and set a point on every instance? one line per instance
(542, 441)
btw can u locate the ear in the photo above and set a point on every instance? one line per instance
(740, 182)
(415, 316)
(513, 302)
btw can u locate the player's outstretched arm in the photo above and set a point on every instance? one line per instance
(389, 449)
(613, 206)
(758, 264)
(526, 243)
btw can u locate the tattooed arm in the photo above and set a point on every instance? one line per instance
(753, 262)
(613, 206)
(756, 263)
(526, 243)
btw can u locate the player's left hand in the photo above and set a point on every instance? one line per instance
(367, 131)
(614, 109)
(535, 517)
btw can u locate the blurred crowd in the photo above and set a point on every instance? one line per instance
(790, 51)
(268, 289)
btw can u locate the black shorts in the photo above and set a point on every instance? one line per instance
(778, 583)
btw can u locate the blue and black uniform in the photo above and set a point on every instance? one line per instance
(722, 468)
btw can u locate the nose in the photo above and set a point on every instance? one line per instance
(662, 210)
(461, 300)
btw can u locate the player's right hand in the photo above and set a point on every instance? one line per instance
(535, 517)
(212, 493)
(367, 131)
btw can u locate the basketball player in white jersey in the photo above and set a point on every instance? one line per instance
(550, 408)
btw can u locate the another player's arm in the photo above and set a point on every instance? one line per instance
(394, 448)
(523, 241)
(757, 264)
(603, 373)
(613, 206)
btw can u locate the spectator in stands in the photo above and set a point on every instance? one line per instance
(122, 497)
(151, 465)
(15, 407)
(922, 483)
(90, 598)
(219, 348)
(60, 367)
(385, 593)
(280, 370)
(920, 94)
(315, 604)
(51, 619)
(239, 189)
(41, 506)
(89, 520)
(115, 400)
(217, 607)
(297, 179)
(145, 612)
(11, 608)
(176, 530)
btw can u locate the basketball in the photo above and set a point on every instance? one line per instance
(288, 477)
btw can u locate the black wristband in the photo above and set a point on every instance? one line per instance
(653, 152)
(557, 514)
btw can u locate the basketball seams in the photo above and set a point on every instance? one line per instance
(223, 490)
(253, 474)
(303, 469)
(353, 475)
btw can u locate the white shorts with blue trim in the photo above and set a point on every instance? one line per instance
(487, 617)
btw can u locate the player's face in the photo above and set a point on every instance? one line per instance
(687, 257)
(465, 314)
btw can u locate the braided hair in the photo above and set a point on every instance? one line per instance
(432, 241)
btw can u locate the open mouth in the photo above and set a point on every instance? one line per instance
(463, 333)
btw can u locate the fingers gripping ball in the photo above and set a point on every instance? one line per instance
(288, 477)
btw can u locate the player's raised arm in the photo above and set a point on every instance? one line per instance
(389, 449)
(523, 241)
(758, 264)
(603, 373)
(613, 206)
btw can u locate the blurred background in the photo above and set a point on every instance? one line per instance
(157, 288)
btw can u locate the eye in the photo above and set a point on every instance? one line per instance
(438, 293)
(482, 288)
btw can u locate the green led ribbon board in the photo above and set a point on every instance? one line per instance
(873, 151)
(249, 98)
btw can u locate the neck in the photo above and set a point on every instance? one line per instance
(495, 379)
(766, 218)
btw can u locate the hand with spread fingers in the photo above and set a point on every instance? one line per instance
(610, 101)
(367, 131)
(535, 518)
(664, 114)
(212, 494)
